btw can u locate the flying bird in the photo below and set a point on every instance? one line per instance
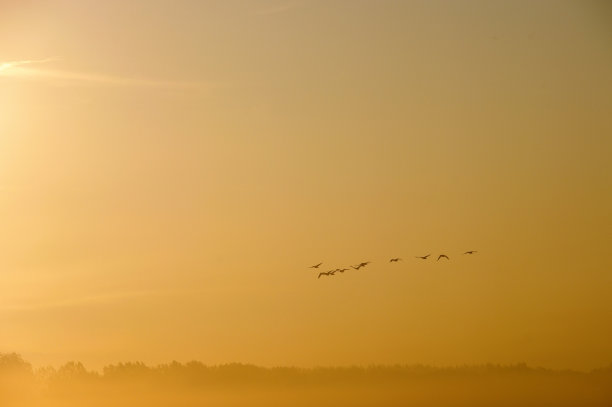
(396, 259)
(323, 273)
(423, 257)
(340, 270)
(360, 265)
(470, 252)
(443, 255)
(316, 266)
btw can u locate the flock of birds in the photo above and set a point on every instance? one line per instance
(365, 263)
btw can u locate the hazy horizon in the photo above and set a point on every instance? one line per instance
(13, 356)
(194, 384)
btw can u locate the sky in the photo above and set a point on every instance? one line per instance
(169, 170)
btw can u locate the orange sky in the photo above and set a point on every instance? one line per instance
(169, 170)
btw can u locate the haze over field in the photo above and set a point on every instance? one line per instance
(169, 171)
(196, 384)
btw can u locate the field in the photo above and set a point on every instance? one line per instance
(195, 384)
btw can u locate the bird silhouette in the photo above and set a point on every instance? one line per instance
(423, 257)
(325, 273)
(316, 266)
(443, 255)
(470, 252)
(340, 270)
(394, 260)
(357, 267)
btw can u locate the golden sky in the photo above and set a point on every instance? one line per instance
(169, 170)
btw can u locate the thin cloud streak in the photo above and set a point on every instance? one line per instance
(12, 64)
(101, 79)
(16, 69)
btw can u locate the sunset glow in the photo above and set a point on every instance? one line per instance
(171, 173)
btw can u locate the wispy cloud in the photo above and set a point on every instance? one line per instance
(12, 64)
(16, 69)
(279, 8)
